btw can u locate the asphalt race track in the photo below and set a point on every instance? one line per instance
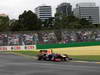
(20, 65)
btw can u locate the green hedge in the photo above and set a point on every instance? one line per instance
(80, 44)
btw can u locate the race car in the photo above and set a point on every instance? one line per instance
(43, 55)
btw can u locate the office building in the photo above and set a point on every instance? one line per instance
(89, 11)
(64, 9)
(43, 12)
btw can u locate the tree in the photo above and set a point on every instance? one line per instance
(48, 23)
(15, 25)
(86, 24)
(83, 21)
(71, 22)
(66, 21)
(29, 21)
(58, 21)
(4, 23)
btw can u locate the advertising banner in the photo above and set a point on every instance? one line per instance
(13, 48)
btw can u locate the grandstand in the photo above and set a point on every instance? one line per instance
(48, 37)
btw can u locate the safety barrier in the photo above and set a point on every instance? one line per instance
(79, 44)
(20, 47)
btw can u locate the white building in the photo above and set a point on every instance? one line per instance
(88, 11)
(43, 12)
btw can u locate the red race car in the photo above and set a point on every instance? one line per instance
(43, 55)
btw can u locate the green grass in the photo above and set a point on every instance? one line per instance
(31, 53)
(86, 57)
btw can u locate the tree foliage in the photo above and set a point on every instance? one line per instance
(27, 21)
(48, 23)
(71, 22)
(4, 23)
(15, 25)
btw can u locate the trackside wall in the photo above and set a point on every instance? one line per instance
(80, 44)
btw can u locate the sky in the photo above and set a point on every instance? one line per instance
(14, 8)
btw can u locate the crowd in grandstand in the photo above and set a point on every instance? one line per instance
(48, 37)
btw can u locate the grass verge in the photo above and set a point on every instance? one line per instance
(30, 53)
(86, 57)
